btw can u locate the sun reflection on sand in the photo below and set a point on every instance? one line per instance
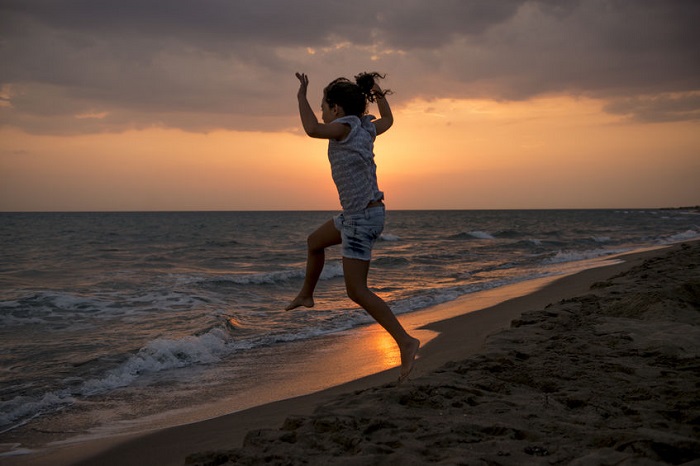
(388, 355)
(358, 353)
(382, 350)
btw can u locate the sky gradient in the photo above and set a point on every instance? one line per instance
(182, 105)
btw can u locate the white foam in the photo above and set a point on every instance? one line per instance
(575, 256)
(71, 302)
(330, 270)
(157, 356)
(63, 310)
(438, 296)
(388, 237)
(23, 407)
(160, 355)
(8, 320)
(684, 236)
(481, 235)
(267, 278)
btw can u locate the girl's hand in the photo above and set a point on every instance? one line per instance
(304, 84)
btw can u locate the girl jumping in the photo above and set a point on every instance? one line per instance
(351, 134)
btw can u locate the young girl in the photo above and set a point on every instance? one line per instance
(351, 136)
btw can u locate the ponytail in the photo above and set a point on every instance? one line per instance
(366, 83)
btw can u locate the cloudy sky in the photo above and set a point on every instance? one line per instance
(191, 105)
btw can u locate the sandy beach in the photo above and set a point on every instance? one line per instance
(599, 367)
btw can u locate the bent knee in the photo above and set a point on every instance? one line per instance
(357, 294)
(314, 243)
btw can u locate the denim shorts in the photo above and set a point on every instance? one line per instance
(359, 231)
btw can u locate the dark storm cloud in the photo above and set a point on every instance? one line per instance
(421, 24)
(90, 65)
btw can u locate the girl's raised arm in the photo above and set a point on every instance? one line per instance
(386, 119)
(311, 125)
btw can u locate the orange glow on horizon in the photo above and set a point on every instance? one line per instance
(556, 152)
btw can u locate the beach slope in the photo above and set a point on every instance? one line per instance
(609, 377)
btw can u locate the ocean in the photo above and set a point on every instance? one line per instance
(106, 317)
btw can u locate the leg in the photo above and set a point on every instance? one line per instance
(317, 242)
(355, 271)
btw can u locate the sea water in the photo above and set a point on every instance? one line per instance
(100, 311)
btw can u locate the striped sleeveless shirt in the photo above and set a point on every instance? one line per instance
(352, 164)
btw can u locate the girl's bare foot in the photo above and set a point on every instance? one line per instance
(306, 301)
(408, 357)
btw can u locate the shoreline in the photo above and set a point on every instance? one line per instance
(457, 337)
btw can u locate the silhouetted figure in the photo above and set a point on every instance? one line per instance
(351, 134)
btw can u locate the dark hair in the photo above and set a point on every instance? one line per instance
(353, 97)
